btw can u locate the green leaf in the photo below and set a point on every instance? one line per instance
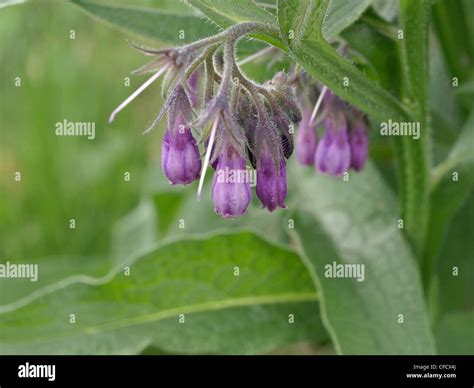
(453, 24)
(453, 331)
(341, 14)
(355, 222)
(223, 313)
(446, 118)
(461, 153)
(136, 233)
(379, 54)
(227, 13)
(454, 263)
(54, 272)
(160, 25)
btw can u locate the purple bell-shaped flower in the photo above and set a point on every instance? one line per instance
(271, 181)
(231, 192)
(180, 157)
(333, 153)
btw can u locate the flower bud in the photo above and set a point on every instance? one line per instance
(306, 140)
(359, 146)
(231, 197)
(271, 181)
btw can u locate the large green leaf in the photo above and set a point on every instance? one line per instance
(355, 222)
(54, 272)
(223, 313)
(226, 13)
(157, 24)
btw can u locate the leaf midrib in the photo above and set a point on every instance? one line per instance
(214, 305)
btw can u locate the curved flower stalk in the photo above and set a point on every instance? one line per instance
(241, 128)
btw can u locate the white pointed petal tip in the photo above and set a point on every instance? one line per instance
(137, 92)
(207, 157)
(317, 105)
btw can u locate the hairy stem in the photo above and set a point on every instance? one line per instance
(200, 59)
(210, 75)
(253, 89)
(234, 32)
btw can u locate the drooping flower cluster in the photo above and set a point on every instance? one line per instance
(257, 130)
(218, 117)
(344, 144)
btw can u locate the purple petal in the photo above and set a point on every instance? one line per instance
(359, 146)
(231, 198)
(271, 182)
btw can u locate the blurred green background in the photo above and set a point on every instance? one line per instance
(79, 79)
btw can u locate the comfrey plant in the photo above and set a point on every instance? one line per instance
(237, 122)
